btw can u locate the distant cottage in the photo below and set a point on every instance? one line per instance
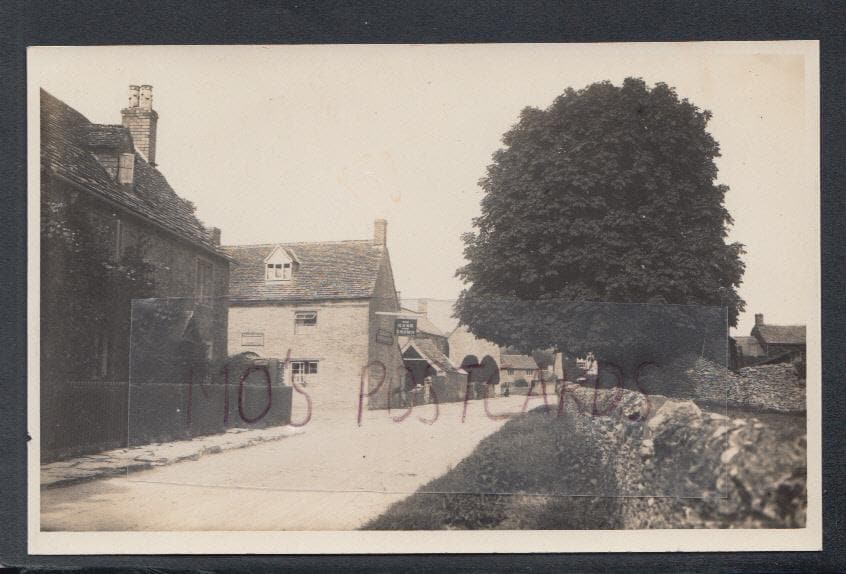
(332, 305)
(466, 348)
(108, 213)
(779, 340)
(770, 343)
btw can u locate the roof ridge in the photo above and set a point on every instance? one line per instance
(274, 244)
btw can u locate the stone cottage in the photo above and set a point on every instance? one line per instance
(329, 307)
(113, 230)
(775, 341)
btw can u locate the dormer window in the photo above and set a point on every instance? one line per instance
(126, 168)
(278, 271)
(280, 265)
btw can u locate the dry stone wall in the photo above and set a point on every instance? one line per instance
(668, 464)
(764, 387)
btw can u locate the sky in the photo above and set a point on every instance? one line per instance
(311, 143)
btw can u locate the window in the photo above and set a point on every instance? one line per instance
(126, 168)
(252, 339)
(304, 372)
(278, 272)
(305, 321)
(304, 367)
(279, 265)
(203, 288)
(510, 371)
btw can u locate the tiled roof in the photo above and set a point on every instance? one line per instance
(326, 270)
(749, 346)
(429, 350)
(782, 334)
(104, 136)
(66, 137)
(517, 362)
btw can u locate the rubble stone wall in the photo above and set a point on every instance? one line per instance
(672, 465)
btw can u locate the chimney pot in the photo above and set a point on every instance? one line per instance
(146, 97)
(380, 232)
(759, 319)
(133, 96)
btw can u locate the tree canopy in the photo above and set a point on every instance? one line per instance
(608, 195)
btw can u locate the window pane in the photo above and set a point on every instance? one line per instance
(308, 319)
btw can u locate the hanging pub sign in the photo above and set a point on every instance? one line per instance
(405, 327)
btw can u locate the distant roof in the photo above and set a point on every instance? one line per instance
(66, 138)
(781, 334)
(749, 346)
(326, 270)
(517, 362)
(428, 350)
(425, 325)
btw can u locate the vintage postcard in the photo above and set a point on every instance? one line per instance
(424, 298)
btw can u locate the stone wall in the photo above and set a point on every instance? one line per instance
(384, 349)
(618, 459)
(339, 342)
(775, 388)
(669, 464)
(764, 387)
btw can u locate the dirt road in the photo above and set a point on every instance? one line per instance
(335, 476)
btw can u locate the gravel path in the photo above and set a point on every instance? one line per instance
(334, 476)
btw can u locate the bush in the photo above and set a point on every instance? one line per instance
(521, 383)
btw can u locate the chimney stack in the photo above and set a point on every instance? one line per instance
(380, 232)
(140, 119)
(423, 307)
(214, 233)
(759, 319)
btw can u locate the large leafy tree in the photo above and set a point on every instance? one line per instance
(608, 195)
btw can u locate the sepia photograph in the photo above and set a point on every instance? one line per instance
(424, 298)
